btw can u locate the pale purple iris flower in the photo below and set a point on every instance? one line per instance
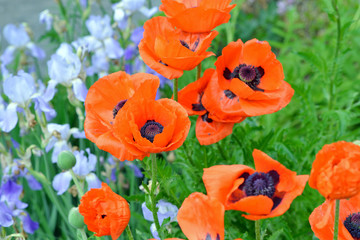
(100, 64)
(64, 67)
(84, 167)
(100, 28)
(22, 90)
(18, 38)
(60, 143)
(46, 18)
(165, 210)
(125, 8)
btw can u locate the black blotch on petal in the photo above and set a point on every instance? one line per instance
(276, 201)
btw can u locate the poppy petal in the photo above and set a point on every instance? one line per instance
(257, 205)
(211, 132)
(200, 216)
(219, 179)
(264, 163)
(256, 52)
(285, 201)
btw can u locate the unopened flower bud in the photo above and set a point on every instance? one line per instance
(75, 218)
(171, 157)
(66, 160)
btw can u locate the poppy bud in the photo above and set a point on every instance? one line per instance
(66, 160)
(171, 157)
(75, 218)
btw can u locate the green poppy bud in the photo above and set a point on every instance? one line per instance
(66, 160)
(75, 218)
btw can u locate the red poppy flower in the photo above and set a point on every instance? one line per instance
(263, 193)
(147, 126)
(322, 219)
(197, 15)
(169, 51)
(105, 212)
(104, 100)
(250, 82)
(335, 172)
(207, 130)
(201, 217)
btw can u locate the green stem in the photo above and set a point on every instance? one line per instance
(175, 89)
(128, 232)
(336, 222)
(337, 49)
(152, 193)
(77, 183)
(257, 230)
(198, 71)
(83, 234)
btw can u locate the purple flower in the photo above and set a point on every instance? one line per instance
(43, 97)
(20, 88)
(130, 52)
(79, 89)
(83, 3)
(113, 49)
(8, 117)
(45, 17)
(29, 225)
(64, 65)
(60, 144)
(137, 35)
(84, 167)
(10, 191)
(100, 64)
(99, 27)
(166, 210)
(90, 43)
(16, 36)
(6, 219)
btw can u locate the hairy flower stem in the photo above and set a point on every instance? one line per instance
(337, 49)
(77, 184)
(128, 232)
(152, 194)
(198, 71)
(257, 230)
(336, 222)
(83, 234)
(175, 89)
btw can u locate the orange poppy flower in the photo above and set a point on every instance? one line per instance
(250, 82)
(322, 219)
(197, 15)
(169, 51)
(207, 130)
(147, 126)
(201, 217)
(105, 212)
(335, 172)
(104, 100)
(263, 193)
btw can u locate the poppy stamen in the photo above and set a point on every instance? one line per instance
(352, 224)
(259, 183)
(229, 94)
(151, 129)
(206, 118)
(118, 107)
(249, 74)
(208, 237)
(184, 44)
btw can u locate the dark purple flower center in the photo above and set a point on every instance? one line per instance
(249, 74)
(195, 45)
(206, 118)
(118, 107)
(352, 224)
(150, 129)
(198, 106)
(229, 94)
(260, 183)
(208, 237)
